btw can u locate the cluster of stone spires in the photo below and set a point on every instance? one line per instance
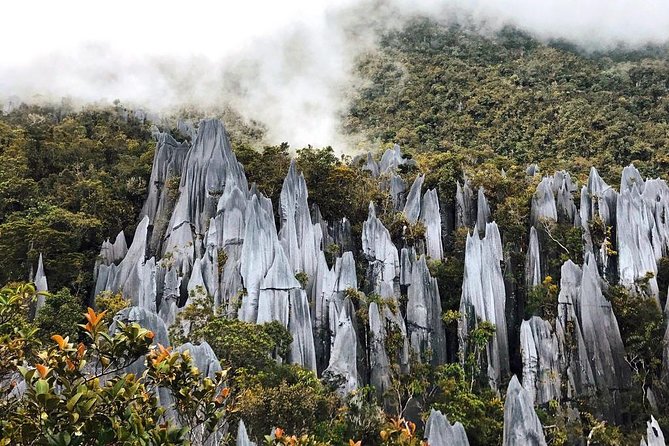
(217, 236)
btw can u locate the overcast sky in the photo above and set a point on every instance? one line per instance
(291, 56)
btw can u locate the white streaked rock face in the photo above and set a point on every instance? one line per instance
(378, 359)
(412, 207)
(41, 284)
(168, 162)
(439, 431)
(533, 275)
(342, 370)
(379, 250)
(243, 436)
(543, 202)
(482, 211)
(521, 423)
(465, 210)
(588, 330)
(484, 299)
(654, 435)
(426, 331)
(431, 219)
(540, 353)
(639, 236)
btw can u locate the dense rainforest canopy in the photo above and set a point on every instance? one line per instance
(466, 107)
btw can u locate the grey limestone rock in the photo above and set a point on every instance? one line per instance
(482, 211)
(210, 168)
(113, 252)
(654, 435)
(581, 380)
(407, 258)
(282, 299)
(372, 165)
(586, 320)
(243, 436)
(635, 224)
(41, 284)
(378, 358)
(543, 202)
(484, 298)
(302, 350)
(533, 274)
(186, 128)
(297, 230)
(342, 370)
(642, 229)
(521, 423)
(203, 356)
(391, 160)
(412, 206)
(397, 187)
(465, 210)
(439, 431)
(424, 315)
(539, 350)
(134, 276)
(165, 176)
(598, 200)
(379, 250)
(260, 240)
(431, 219)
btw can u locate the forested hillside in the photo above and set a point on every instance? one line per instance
(431, 88)
(498, 277)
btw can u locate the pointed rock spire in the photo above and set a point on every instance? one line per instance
(439, 431)
(539, 350)
(343, 370)
(412, 206)
(484, 298)
(431, 219)
(521, 423)
(41, 284)
(654, 435)
(424, 315)
(242, 436)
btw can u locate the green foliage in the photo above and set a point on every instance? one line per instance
(67, 401)
(331, 252)
(542, 300)
(481, 412)
(18, 337)
(453, 90)
(303, 278)
(448, 273)
(663, 277)
(110, 303)
(60, 315)
(477, 341)
(298, 403)
(244, 345)
(360, 417)
(401, 229)
(642, 328)
(339, 189)
(564, 242)
(67, 181)
(266, 168)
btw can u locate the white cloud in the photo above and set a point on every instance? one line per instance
(287, 59)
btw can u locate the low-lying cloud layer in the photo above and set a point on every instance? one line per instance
(283, 63)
